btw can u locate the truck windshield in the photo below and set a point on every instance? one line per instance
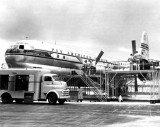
(56, 78)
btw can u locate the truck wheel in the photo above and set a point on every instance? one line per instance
(61, 101)
(52, 98)
(6, 98)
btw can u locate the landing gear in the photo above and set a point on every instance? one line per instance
(6, 98)
(52, 98)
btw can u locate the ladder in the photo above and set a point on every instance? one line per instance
(90, 83)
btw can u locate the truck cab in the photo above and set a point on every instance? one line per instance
(53, 88)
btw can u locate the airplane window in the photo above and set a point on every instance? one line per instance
(63, 57)
(57, 56)
(21, 46)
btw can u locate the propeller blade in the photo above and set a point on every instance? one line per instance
(80, 59)
(133, 47)
(99, 57)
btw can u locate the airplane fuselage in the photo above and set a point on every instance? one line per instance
(24, 54)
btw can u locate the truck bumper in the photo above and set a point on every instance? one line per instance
(64, 97)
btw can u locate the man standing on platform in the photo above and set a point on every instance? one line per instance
(80, 94)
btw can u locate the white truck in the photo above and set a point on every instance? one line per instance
(30, 85)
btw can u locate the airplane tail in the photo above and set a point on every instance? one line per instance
(144, 48)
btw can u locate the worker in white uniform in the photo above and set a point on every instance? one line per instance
(80, 94)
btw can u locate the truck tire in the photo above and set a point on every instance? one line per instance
(61, 101)
(6, 98)
(52, 98)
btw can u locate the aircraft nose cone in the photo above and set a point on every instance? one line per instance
(14, 60)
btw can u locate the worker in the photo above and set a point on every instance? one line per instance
(80, 94)
(120, 99)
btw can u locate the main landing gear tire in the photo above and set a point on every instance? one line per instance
(52, 98)
(61, 101)
(6, 98)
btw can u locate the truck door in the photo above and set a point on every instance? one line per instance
(46, 84)
(31, 83)
(11, 83)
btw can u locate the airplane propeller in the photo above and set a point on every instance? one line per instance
(93, 64)
(96, 61)
(80, 59)
(133, 47)
(99, 57)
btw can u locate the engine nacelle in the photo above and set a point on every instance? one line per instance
(93, 69)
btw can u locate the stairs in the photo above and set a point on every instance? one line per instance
(93, 85)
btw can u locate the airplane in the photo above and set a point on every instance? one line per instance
(36, 54)
(140, 59)
(141, 56)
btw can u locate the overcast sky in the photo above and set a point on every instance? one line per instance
(85, 25)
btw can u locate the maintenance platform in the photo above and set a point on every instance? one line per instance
(132, 85)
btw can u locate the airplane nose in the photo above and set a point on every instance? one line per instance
(14, 60)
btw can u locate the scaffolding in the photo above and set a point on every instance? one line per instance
(133, 84)
(92, 85)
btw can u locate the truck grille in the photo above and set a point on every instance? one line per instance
(66, 92)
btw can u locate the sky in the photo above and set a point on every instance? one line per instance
(87, 26)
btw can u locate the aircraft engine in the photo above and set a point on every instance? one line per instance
(89, 66)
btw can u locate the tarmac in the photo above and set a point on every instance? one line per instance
(83, 114)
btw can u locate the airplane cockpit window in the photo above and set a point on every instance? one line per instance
(21, 46)
(12, 49)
